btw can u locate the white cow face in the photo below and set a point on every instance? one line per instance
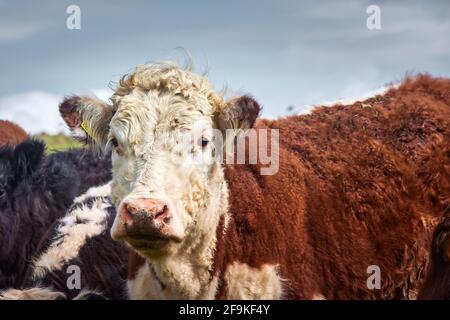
(164, 129)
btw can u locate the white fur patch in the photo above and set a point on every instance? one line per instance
(38, 293)
(146, 286)
(247, 283)
(31, 294)
(79, 224)
(85, 293)
(101, 191)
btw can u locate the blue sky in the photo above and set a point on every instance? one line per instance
(282, 52)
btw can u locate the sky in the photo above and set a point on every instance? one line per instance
(284, 53)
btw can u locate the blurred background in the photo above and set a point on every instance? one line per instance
(290, 55)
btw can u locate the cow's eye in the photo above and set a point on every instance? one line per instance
(115, 146)
(114, 143)
(204, 142)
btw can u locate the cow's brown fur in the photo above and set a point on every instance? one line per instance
(10, 133)
(357, 186)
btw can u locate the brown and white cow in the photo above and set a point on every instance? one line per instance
(350, 192)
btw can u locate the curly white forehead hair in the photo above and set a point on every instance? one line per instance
(168, 76)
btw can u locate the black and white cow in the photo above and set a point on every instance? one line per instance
(35, 190)
(77, 258)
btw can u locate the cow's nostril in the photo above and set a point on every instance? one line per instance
(163, 215)
(126, 215)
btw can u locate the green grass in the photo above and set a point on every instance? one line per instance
(59, 142)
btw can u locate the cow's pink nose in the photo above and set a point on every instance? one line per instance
(144, 210)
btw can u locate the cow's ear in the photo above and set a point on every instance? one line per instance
(238, 114)
(88, 119)
(27, 157)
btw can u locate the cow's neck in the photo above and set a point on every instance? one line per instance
(188, 274)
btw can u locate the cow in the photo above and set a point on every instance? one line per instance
(10, 133)
(76, 259)
(347, 212)
(35, 190)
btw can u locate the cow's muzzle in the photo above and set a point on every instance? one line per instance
(143, 223)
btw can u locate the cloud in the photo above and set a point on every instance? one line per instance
(35, 111)
(354, 92)
(103, 94)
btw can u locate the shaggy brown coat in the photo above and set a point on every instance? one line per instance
(358, 185)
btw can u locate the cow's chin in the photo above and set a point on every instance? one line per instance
(157, 251)
(150, 242)
(152, 246)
